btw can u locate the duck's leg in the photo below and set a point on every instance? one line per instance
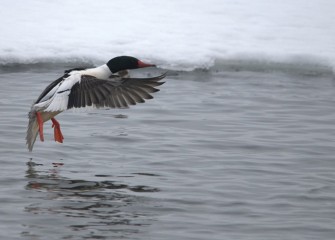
(40, 125)
(57, 132)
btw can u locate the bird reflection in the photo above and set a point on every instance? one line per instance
(99, 209)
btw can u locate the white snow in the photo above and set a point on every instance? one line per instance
(178, 34)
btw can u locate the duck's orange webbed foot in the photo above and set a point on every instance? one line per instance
(57, 132)
(40, 125)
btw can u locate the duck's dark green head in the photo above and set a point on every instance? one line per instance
(126, 62)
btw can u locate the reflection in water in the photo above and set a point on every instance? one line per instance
(84, 209)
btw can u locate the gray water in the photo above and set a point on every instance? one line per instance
(226, 155)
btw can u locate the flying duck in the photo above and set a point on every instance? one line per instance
(105, 86)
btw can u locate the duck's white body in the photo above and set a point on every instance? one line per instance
(86, 87)
(57, 98)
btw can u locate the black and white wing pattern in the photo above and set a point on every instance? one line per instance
(49, 91)
(91, 91)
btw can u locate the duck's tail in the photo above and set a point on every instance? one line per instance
(32, 130)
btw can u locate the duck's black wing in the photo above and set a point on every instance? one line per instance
(91, 91)
(57, 81)
(50, 87)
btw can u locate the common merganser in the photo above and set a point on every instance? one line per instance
(97, 87)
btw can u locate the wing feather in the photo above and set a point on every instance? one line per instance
(143, 93)
(121, 93)
(128, 97)
(137, 98)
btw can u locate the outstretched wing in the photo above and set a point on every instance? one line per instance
(49, 91)
(91, 91)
